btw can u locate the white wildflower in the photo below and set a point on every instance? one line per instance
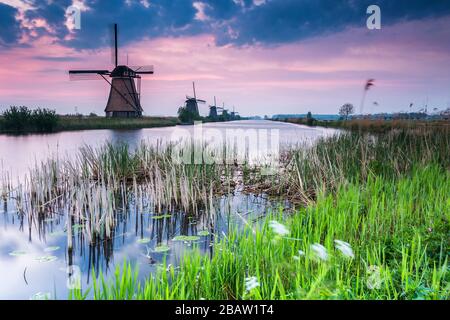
(374, 279)
(279, 228)
(345, 248)
(251, 283)
(319, 251)
(300, 254)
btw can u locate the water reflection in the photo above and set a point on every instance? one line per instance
(35, 249)
(35, 252)
(19, 153)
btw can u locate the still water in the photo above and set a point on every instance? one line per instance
(34, 255)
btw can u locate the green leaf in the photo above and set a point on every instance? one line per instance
(164, 216)
(144, 240)
(203, 233)
(57, 234)
(186, 238)
(41, 296)
(46, 259)
(50, 249)
(161, 248)
(17, 253)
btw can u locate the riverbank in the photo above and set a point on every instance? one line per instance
(74, 123)
(378, 126)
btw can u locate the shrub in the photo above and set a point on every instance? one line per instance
(21, 119)
(187, 116)
(44, 120)
(16, 118)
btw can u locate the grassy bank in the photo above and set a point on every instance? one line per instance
(373, 126)
(71, 123)
(86, 123)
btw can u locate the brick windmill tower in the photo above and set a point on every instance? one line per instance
(125, 93)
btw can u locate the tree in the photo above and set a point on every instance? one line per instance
(44, 120)
(187, 116)
(445, 114)
(346, 110)
(309, 119)
(16, 118)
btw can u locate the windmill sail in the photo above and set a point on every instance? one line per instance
(75, 75)
(143, 69)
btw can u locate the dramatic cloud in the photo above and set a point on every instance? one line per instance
(237, 22)
(9, 26)
(263, 56)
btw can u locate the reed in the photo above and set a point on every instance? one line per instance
(354, 157)
(386, 239)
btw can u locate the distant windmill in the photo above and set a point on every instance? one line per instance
(191, 103)
(225, 113)
(213, 110)
(124, 97)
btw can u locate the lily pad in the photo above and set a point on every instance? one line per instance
(144, 240)
(186, 238)
(203, 233)
(41, 296)
(164, 216)
(50, 249)
(17, 253)
(161, 248)
(46, 258)
(57, 234)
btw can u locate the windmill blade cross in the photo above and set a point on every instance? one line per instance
(143, 69)
(75, 75)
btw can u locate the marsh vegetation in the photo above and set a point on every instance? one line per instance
(367, 218)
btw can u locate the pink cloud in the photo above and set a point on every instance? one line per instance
(409, 62)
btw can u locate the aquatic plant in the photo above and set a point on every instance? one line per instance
(387, 221)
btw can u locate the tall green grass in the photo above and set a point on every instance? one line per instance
(354, 157)
(87, 123)
(398, 229)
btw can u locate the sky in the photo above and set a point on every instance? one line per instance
(258, 56)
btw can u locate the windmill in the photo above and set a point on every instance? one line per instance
(234, 114)
(213, 110)
(191, 103)
(225, 114)
(125, 94)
